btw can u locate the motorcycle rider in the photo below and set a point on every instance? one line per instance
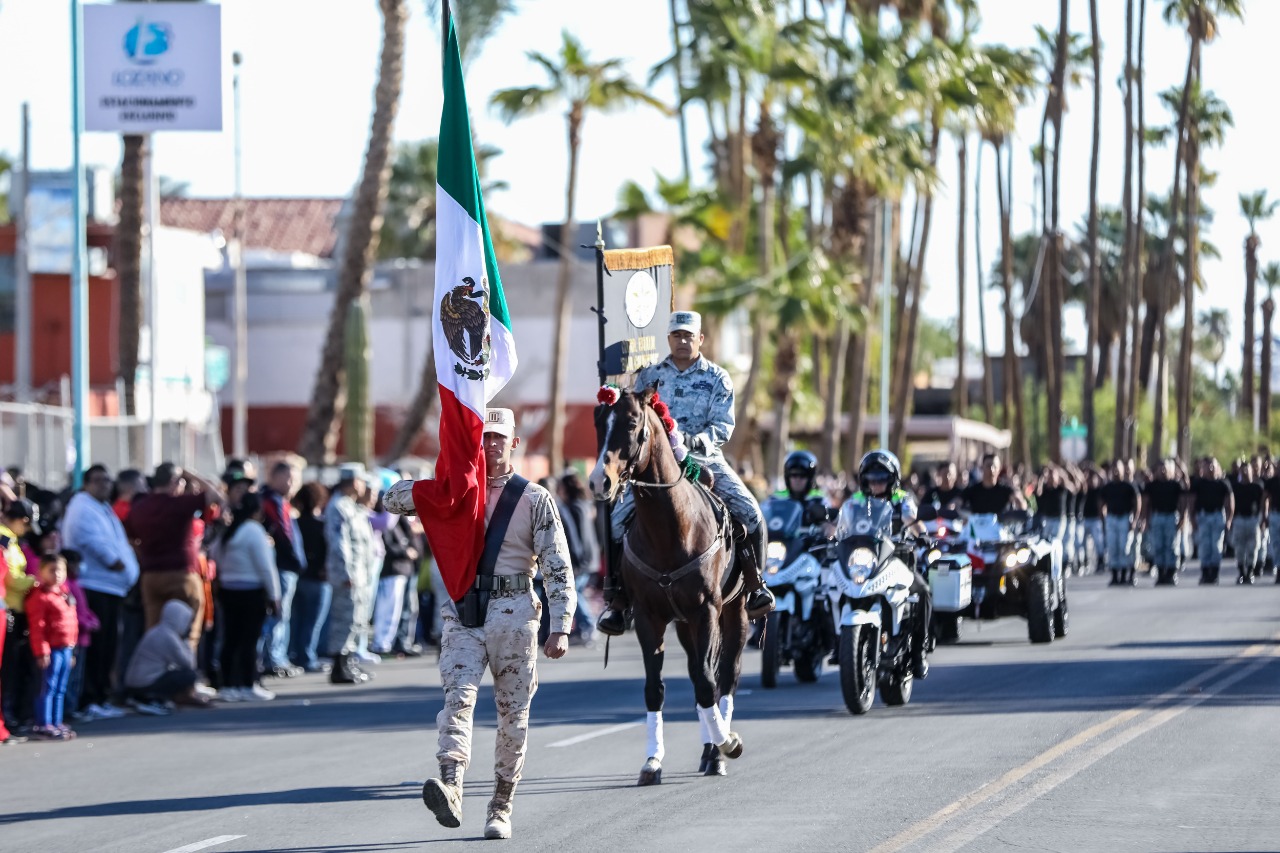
(699, 394)
(945, 493)
(880, 476)
(800, 472)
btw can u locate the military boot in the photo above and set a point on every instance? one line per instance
(613, 619)
(498, 824)
(444, 795)
(759, 599)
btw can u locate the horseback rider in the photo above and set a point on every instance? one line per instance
(880, 478)
(699, 394)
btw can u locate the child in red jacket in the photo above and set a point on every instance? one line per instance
(54, 628)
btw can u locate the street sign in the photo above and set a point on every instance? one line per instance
(152, 66)
(1074, 441)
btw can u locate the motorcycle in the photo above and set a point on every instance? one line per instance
(949, 570)
(877, 611)
(799, 631)
(1016, 572)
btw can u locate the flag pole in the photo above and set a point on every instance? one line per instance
(445, 16)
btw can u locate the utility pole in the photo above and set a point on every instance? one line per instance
(240, 401)
(79, 259)
(22, 289)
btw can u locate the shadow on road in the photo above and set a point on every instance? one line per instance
(297, 796)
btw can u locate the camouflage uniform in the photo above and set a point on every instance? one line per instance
(507, 644)
(350, 566)
(701, 402)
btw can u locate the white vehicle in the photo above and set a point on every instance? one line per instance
(874, 606)
(1016, 572)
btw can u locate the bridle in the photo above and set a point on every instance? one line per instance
(634, 461)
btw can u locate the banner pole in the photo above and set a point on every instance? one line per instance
(604, 514)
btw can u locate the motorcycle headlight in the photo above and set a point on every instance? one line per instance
(862, 558)
(1018, 557)
(775, 556)
(932, 555)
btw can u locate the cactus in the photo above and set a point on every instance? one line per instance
(358, 354)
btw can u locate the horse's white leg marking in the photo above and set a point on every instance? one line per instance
(656, 748)
(726, 711)
(703, 731)
(715, 724)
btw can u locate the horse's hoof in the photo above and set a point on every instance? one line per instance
(715, 765)
(732, 748)
(650, 774)
(708, 750)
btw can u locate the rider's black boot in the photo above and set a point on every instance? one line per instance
(759, 600)
(613, 621)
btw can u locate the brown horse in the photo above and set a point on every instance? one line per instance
(678, 566)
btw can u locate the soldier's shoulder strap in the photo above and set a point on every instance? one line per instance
(496, 530)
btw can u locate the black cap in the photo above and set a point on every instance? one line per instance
(24, 509)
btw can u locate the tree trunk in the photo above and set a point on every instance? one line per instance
(1247, 381)
(859, 355)
(829, 447)
(1013, 371)
(988, 381)
(1126, 379)
(1100, 380)
(679, 75)
(785, 366)
(416, 416)
(962, 186)
(1057, 359)
(128, 262)
(320, 432)
(1138, 260)
(1167, 262)
(1264, 385)
(1185, 383)
(564, 308)
(902, 403)
(1095, 275)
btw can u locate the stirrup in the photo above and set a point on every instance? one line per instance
(760, 603)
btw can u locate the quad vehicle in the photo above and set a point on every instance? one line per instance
(1016, 572)
(875, 608)
(947, 566)
(799, 631)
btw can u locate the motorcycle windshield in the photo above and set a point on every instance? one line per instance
(782, 518)
(986, 527)
(865, 517)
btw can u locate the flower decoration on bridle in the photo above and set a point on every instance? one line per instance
(669, 424)
(608, 395)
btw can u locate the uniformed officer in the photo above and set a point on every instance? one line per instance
(1214, 505)
(1250, 506)
(800, 472)
(349, 566)
(880, 476)
(699, 394)
(1164, 505)
(507, 642)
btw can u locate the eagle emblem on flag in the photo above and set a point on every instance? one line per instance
(465, 323)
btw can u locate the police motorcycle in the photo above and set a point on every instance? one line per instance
(948, 568)
(799, 631)
(871, 596)
(1016, 572)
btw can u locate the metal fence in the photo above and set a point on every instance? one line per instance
(37, 439)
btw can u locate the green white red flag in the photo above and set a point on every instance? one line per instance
(475, 352)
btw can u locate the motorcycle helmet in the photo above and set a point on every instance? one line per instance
(800, 463)
(880, 466)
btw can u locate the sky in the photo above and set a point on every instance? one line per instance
(307, 100)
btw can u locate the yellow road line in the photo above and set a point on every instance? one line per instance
(938, 819)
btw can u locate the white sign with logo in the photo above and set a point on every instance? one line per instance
(152, 66)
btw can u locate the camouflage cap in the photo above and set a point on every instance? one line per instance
(685, 321)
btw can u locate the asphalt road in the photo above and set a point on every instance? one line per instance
(1153, 727)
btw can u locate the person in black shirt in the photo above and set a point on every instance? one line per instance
(990, 496)
(1165, 507)
(1091, 519)
(1271, 484)
(1053, 499)
(1250, 501)
(1214, 504)
(1121, 504)
(945, 493)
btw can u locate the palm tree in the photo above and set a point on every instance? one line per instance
(1255, 208)
(360, 246)
(1270, 275)
(582, 85)
(1094, 304)
(1200, 18)
(1213, 332)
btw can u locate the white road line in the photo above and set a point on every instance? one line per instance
(202, 845)
(621, 727)
(967, 804)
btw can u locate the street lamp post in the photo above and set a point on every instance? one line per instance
(240, 402)
(79, 258)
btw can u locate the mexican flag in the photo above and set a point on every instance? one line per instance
(474, 351)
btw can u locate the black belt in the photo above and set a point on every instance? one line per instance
(502, 583)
